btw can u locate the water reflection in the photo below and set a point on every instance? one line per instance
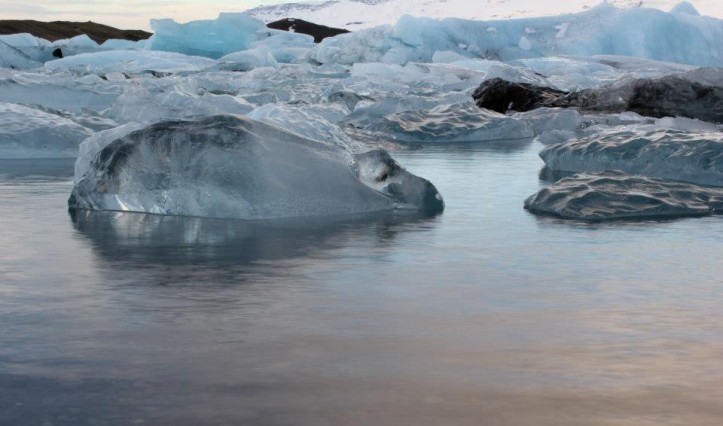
(135, 238)
(39, 169)
(548, 175)
(498, 146)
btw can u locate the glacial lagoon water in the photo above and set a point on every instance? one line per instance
(483, 315)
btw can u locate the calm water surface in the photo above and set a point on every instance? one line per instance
(483, 315)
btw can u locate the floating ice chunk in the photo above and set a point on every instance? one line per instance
(274, 39)
(35, 48)
(368, 112)
(183, 99)
(131, 61)
(11, 57)
(688, 124)
(75, 46)
(695, 157)
(704, 76)
(286, 47)
(552, 125)
(616, 195)
(230, 32)
(450, 123)
(27, 132)
(247, 60)
(234, 167)
(362, 46)
(58, 92)
(121, 44)
(303, 122)
(91, 146)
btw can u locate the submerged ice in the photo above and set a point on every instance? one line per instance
(234, 167)
(616, 195)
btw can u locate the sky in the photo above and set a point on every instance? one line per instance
(126, 14)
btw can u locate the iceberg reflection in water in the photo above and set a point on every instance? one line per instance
(122, 237)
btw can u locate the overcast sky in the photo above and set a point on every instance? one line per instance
(128, 14)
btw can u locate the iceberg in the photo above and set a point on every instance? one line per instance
(304, 121)
(450, 123)
(602, 30)
(616, 195)
(687, 156)
(75, 46)
(230, 32)
(128, 61)
(182, 98)
(91, 146)
(247, 60)
(58, 91)
(35, 48)
(27, 132)
(234, 167)
(12, 57)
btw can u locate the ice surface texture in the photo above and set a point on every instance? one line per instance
(230, 32)
(695, 157)
(27, 132)
(234, 167)
(449, 123)
(616, 195)
(603, 30)
(129, 61)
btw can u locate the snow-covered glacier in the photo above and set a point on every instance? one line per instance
(617, 195)
(233, 167)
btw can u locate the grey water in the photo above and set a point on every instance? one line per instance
(485, 314)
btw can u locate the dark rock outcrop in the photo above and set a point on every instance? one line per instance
(319, 32)
(668, 96)
(58, 30)
(501, 95)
